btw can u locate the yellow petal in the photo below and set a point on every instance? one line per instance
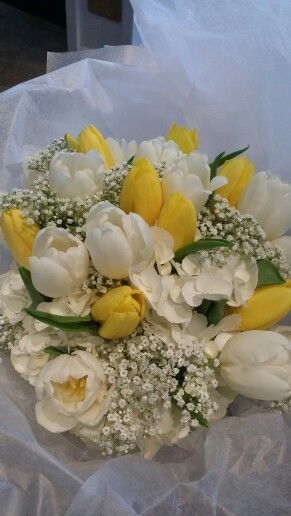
(265, 308)
(185, 138)
(19, 235)
(142, 192)
(119, 325)
(178, 217)
(239, 172)
(109, 302)
(91, 139)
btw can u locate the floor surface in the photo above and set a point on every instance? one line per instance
(24, 42)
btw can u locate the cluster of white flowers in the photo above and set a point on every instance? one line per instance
(128, 345)
(146, 375)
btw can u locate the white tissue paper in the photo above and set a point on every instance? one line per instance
(225, 68)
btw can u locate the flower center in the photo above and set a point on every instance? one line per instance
(72, 390)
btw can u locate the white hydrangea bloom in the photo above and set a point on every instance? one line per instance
(13, 296)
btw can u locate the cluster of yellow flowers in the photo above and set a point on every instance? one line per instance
(120, 310)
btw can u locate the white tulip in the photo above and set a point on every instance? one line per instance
(76, 176)
(121, 150)
(190, 175)
(118, 243)
(71, 389)
(257, 364)
(269, 201)
(158, 151)
(59, 262)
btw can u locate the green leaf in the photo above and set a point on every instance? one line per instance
(64, 323)
(201, 245)
(52, 350)
(222, 158)
(216, 311)
(204, 307)
(268, 274)
(130, 161)
(35, 296)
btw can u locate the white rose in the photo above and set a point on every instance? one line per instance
(269, 201)
(71, 389)
(257, 364)
(28, 356)
(59, 262)
(190, 175)
(13, 296)
(76, 176)
(117, 242)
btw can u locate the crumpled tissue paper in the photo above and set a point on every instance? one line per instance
(224, 67)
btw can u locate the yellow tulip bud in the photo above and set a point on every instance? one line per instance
(142, 192)
(19, 235)
(265, 308)
(91, 139)
(178, 217)
(185, 138)
(119, 311)
(239, 172)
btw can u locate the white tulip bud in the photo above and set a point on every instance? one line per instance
(117, 242)
(59, 262)
(257, 364)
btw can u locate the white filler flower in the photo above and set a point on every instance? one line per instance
(269, 201)
(71, 389)
(117, 242)
(59, 262)
(76, 176)
(257, 364)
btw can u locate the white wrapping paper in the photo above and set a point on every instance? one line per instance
(225, 68)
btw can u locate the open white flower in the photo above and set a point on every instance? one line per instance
(28, 356)
(235, 281)
(257, 364)
(13, 296)
(117, 242)
(190, 175)
(76, 176)
(269, 201)
(59, 262)
(71, 389)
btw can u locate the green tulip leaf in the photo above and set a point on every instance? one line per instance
(130, 161)
(35, 296)
(54, 351)
(201, 245)
(222, 158)
(64, 323)
(268, 274)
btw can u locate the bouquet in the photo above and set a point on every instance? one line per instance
(146, 287)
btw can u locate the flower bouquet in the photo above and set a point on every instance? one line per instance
(147, 287)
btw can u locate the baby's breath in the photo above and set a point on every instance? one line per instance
(145, 375)
(9, 333)
(220, 220)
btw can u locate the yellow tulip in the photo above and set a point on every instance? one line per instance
(119, 311)
(142, 192)
(185, 138)
(239, 172)
(19, 235)
(265, 308)
(91, 139)
(178, 217)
